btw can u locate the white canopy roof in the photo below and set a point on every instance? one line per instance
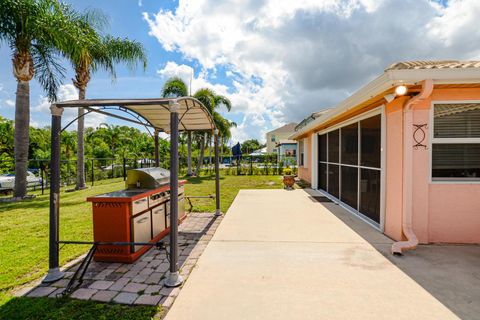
(192, 114)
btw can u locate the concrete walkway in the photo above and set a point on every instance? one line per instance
(281, 255)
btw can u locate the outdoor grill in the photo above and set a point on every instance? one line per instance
(140, 214)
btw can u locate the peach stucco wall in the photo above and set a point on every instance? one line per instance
(305, 172)
(442, 212)
(393, 168)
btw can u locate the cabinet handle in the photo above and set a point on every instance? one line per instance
(157, 211)
(140, 201)
(142, 220)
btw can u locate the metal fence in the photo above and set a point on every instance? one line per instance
(109, 168)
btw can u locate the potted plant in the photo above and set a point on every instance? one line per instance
(288, 178)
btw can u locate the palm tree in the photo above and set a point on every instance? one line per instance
(112, 135)
(211, 101)
(88, 57)
(176, 87)
(35, 30)
(173, 88)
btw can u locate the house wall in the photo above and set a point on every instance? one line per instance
(305, 171)
(453, 209)
(442, 211)
(394, 168)
(271, 145)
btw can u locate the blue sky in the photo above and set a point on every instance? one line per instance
(277, 60)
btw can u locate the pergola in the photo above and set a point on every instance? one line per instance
(170, 115)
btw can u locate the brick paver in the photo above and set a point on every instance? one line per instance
(41, 291)
(147, 299)
(83, 293)
(141, 282)
(104, 295)
(101, 285)
(134, 287)
(126, 297)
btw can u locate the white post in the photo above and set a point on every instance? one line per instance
(314, 161)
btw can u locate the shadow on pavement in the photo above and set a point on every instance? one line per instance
(450, 273)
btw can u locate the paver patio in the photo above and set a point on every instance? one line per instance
(140, 282)
(282, 255)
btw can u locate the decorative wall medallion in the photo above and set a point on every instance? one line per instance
(419, 136)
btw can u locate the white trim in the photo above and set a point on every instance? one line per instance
(383, 168)
(304, 149)
(314, 161)
(432, 140)
(454, 140)
(298, 154)
(353, 211)
(389, 80)
(360, 117)
(350, 165)
(377, 111)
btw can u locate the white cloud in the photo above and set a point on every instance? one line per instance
(290, 58)
(10, 102)
(140, 3)
(186, 73)
(65, 92)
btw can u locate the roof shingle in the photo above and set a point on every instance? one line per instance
(433, 64)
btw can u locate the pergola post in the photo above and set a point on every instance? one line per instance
(217, 176)
(174, 279)
(157, 157)
(189, 153)
(54, 272)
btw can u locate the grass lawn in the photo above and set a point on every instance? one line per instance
(24, 228)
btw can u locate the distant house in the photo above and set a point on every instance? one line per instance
(403, 152)
(282, 133)
(287, 152)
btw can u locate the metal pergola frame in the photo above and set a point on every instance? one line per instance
(186, 112)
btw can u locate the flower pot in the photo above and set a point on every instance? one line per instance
(289, 181)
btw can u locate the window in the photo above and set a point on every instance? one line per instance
(301, 146)
(370, 142)
(349, 165)
(456, 142)
(350, 144)
(333, 146)
(272, 139)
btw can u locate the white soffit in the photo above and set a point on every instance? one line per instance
(390, 79)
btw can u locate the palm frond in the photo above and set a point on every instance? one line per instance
(223, 101)
(126, 51)
(207, 97)
(48, 70)
(174, 87)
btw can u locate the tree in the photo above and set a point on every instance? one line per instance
(89, 56)
(6, 145)
(211, 101)
(35, 30)
(175, 87)
(248, 146)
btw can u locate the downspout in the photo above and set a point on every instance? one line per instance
(412, 241)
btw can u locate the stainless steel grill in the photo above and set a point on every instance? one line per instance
(145, 202)
(148, 178)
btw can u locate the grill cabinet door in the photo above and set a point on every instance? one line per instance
(141, 227)
(158, 220)
(139, 205)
